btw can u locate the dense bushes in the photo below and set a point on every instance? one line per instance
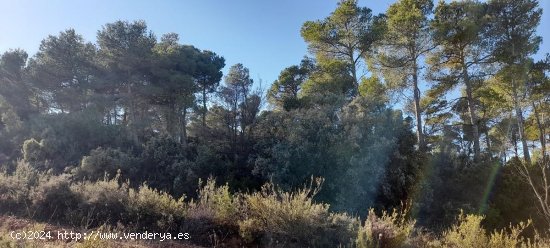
(393, 230)
(270, 217)
(57, 198)
(105, 162)
(60, 139)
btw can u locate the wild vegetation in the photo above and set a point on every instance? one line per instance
(443, 142)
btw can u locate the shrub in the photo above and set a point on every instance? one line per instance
(388, 230)
(510, 238)
(102, 202)
(34, 154)
(66, 137)
(214, 215)
(467, 232)
(105, 161)
(293, 219)
(15, 189)
(52, 198)
(164, 166)
(153, 209)
(219, 200)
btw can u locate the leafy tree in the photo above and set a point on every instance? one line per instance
(356, 149)
(514, 25)
(164, 164)
(346, 35)
(125, 52)
(329, 82)
(294, 145)
(235, 94)
(173, 85)
(64, 70)
(229, 125)
(284, 91)
(208, 76)
(14, 88)
(106, 162)
(461, 31)
(18, 105)
(406, 40)
(65, 138)
(538, 86)
(374, 89)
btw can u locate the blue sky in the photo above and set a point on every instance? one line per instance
(263, 35)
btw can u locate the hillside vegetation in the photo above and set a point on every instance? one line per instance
(423, 126)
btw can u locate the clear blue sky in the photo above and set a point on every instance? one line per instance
(263, 35)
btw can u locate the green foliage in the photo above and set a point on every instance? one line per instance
(15, 189)
(106, 162)
(100, 202)
(514, 24)
(508, 200)
(217, 201)
(332, 78)
(293, 219)
(34, 154)
(153, 209)
(445, 194)
(346, 36)
(467, 232)
(284, 91)
(64, 68)
(373, 88)
(52, 198)
(164, 165)
(119, 132)
(12, 132)
(352, 148)
(15, 91)
(66, 138)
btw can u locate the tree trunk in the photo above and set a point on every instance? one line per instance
(204, 106)
(472, 110)
(353, 68)
(542, 133)
(520, 122)
(184, 127)
(488, 141)
(417, 109)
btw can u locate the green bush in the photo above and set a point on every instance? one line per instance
(102, 202)
(105, 161)
(468, 232)
(270, 217)
(15, 189)
(155, 210)
(213, 215)
(218, 200)
(35, 155)
(294, 219)
(389, 230)
(67, 137)
(164, 165)
(52, 198)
